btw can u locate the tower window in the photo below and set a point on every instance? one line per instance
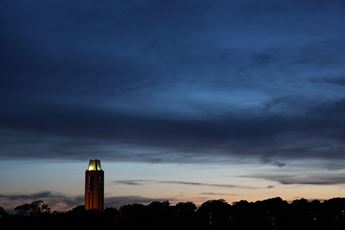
(91, 183)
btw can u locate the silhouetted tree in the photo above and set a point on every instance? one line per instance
(242, 212)
(23, 210)
(334, 212)
(273, 213)
(3, 213)
(215, 214)
(185, 209)
(160, 214)
(32, 209)
(185, 215)
(110, 211)
(78, 210)
(133, 216)
(270, 214)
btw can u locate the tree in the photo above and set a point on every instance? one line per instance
(215, 213)
(80, 209)
(3, 213)
(186, 215)
(185, 209)
(33, 209)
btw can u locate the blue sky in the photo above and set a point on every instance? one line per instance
(156, 85)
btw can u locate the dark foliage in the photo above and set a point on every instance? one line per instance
(33, 209)
(269, 214)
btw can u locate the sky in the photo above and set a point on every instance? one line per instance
(181, 100)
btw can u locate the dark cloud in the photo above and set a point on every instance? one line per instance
(191, 183)
(317, 179)
(195, 81)
(71, 131)
(339, 81)
(273, 162)
(131, 182)
(34, 196)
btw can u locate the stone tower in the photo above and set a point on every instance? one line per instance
(94, 186)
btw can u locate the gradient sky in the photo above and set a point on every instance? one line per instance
(181, 100)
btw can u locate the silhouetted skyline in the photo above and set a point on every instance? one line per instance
(273, 213)
(182, 100)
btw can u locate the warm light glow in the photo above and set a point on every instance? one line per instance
(95, 165)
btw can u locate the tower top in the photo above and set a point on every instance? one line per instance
(94, 165)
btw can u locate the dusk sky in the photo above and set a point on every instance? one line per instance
(181, 100)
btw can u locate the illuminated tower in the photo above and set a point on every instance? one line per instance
(94, 186)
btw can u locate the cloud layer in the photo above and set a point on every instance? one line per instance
(173, 82)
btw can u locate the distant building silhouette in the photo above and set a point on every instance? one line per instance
(94, 186)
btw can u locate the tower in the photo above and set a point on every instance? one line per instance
(94, 186)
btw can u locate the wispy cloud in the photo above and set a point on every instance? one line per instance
(339, 81)
(188, 183)
(206, 184)
(218, 194)
(317, 179)
(131, 182)
(267, 160)
(57, 201)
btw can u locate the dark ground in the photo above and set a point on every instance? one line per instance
(273, 213)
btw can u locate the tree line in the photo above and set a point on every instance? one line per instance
(273, 213)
